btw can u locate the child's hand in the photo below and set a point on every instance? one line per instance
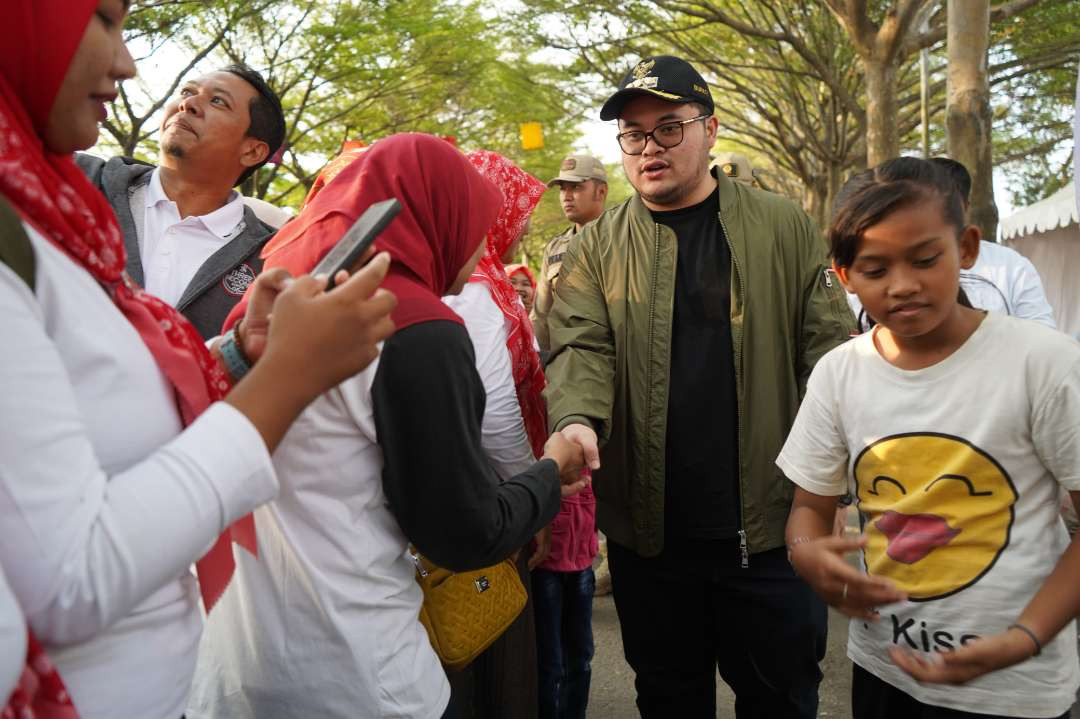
(977, 657)
(821, 563)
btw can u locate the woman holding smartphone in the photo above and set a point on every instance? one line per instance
(126, 453)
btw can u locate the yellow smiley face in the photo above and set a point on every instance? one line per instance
(937, 512)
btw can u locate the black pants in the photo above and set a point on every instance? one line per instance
(694, 609)
(872, 698)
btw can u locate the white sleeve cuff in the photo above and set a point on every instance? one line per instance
(231, 454)
(834, 488)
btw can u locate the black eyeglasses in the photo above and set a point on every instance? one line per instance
(667, 135)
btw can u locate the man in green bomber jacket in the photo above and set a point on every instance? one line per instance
(683, 330)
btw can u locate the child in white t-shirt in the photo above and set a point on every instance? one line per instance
(954, 430)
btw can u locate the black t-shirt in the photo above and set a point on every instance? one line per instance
(428, 403)
(701, 496)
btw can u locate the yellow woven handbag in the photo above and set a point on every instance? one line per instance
(464, 612)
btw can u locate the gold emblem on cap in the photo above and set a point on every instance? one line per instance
(569, 164)
(643, 68)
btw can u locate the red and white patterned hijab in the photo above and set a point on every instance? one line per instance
(521, 194)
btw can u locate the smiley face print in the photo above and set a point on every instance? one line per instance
(936, 509)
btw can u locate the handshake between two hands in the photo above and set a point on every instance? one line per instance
(575, 450)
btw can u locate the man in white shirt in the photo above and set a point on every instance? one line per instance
(190, 239)
(1002, 280)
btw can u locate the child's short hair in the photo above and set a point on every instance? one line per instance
(872, 195)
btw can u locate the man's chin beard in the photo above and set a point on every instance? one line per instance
(667, 198)
(173, 150)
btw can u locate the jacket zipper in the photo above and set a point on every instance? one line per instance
(744, 551)
(652, 330)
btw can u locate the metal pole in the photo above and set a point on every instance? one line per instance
(924, 81)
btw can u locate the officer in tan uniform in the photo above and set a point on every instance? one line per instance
(737, 166)
(583, 189)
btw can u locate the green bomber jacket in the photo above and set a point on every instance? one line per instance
(610, 327)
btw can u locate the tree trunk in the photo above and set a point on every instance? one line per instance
(968, 120)
(814, 201)
(882, 139)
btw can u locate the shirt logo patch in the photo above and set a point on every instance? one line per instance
(238, 280)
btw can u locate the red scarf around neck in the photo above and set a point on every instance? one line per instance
(521, 194)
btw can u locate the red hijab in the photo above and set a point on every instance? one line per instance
(446, 207)
(52, 194)
(519, 269)
(521, 194)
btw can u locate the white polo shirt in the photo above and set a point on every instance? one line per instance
(173, 249)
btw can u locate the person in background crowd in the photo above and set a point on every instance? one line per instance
(685, 323)
(503, 680)
(1001, 280)
(583, 188)
(967, 604)
(524, 282)
(189, 237)
(121, 467)
(324, 623)
(272, 215)
(736, 166)
(563, 585)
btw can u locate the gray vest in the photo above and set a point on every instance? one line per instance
(220, 281)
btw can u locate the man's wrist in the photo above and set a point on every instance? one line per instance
(574, 419)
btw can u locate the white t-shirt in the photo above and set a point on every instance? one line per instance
(1003, 281)
(173, 249)
(105, 499)
(955, 470)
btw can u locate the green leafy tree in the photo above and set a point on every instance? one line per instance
(353, 70)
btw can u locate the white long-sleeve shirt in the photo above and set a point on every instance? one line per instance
(504, 439)
(12, 640)
(105, 500)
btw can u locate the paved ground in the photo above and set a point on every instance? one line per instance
(612, 693)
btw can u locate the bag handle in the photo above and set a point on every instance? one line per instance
(15, 249)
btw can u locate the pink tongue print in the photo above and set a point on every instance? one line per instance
(913, 536)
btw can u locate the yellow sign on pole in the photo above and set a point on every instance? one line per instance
(532, 136)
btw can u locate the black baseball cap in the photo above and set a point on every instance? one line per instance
(663, 76)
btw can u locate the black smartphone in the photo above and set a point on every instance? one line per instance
(358, 239)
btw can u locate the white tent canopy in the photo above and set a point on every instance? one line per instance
(1058, 210)
(1048, 234)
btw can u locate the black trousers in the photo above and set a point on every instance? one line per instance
(872, 698)
(694, 609)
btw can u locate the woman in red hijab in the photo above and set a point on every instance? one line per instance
(325, 622)
(120, 466)
(503, 680)
(524, 283)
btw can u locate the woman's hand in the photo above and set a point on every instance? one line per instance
(253, 329)
(977, 657)
(571, 460)
(543, 547)
(316, 340)
(324, 338)
(820, 562)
